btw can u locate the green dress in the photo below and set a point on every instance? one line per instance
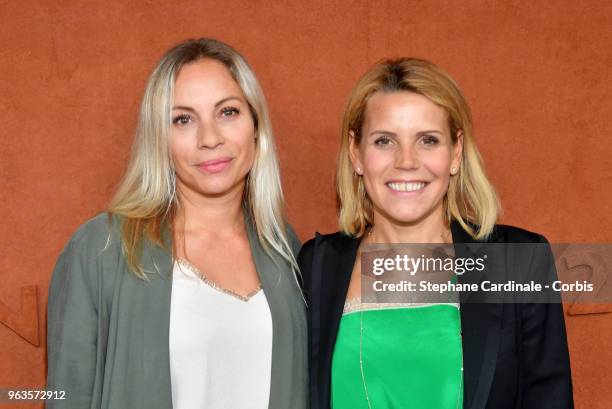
(398, 356)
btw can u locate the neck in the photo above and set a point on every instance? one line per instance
(218, 215)
(432, 229)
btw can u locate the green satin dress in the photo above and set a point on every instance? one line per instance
(398, 357)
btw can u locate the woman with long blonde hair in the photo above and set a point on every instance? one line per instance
(185, 292)
(409, 172)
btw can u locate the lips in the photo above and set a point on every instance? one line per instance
(405, 186)
(215, 165)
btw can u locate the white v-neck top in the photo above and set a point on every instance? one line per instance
(220, 345)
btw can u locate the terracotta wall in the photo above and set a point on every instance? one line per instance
(537, 75)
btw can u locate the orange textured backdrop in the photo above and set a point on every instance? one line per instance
(537, 75)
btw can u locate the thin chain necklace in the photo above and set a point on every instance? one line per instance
(365, 386)
(363, 380)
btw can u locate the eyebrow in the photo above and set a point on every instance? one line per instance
(224, 100)
(183, 108)
(380, 131)
(420, 133)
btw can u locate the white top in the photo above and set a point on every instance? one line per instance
(220, 345)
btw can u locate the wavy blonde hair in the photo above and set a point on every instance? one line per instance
(470, 199)
(146, 198)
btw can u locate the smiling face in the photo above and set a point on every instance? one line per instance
(212, 141)
(406, 156)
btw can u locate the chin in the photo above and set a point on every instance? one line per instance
(405, 214)
(406, 219)
(214, 190)
(220, 187)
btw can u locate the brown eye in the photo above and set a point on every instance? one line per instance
(383, 140)
(181, 119)
(229, 111)
(430, 140)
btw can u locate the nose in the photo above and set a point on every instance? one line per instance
(208, 136)
(406, 157)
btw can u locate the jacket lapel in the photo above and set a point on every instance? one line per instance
(336, 279)
(332, 267)
(481, 331)
(153, 306)
(288, 377)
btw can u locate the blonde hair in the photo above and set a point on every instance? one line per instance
(470, 198)
(146, 198)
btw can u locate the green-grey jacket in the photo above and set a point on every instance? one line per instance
(108, 330)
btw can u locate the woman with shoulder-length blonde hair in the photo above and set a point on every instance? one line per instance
(185, 293)
(409, 171)
(470, 200)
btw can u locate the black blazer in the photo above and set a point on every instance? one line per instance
(515, 355)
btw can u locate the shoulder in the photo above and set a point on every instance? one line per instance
(323, 249)
(326, 248)
(101, 224)
(93, 249)
(333, 241)
(503, 233)
(100, 234)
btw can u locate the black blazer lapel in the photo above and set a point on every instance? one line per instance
(332, 267)
(481, 333)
